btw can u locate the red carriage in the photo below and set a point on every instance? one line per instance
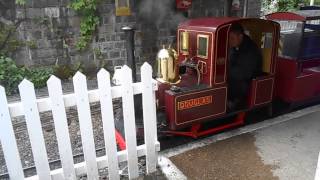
(298, 64)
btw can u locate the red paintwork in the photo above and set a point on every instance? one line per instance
(120, 141)
(214, 80)
(160, 94)
(294, 16)
(316, 79)
(183, 4)
(207, 24)
(184, 118)
(261, 91)
(193, 53)
(310, 63)
(297, 80)
(196, 132)
(285, 16)
(294, 84)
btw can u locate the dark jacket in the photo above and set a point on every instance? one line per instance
(245, 63)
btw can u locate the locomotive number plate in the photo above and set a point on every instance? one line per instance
(196, 102)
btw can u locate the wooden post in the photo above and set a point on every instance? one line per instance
(149, 117)
(83, 107)
(61, 127)
(317, 177)
(129, 122)
(105, 96)
(8, 141)
(30, 109)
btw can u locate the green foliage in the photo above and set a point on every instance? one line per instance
(269, 6)
(31, 44)
(39, 76)
(97, 53)
(21, 2)
(66, 71)
(289, 5)
(11, 75)
(8, 42)
(87, 9)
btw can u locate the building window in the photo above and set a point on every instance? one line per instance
(184, 42)
(202, 44)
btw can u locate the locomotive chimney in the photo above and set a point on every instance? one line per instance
(129, 33)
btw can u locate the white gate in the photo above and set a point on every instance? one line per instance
(57, 102)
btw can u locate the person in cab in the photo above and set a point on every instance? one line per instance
(245, 63)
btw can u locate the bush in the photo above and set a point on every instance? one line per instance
(11, 75)
(269, 6)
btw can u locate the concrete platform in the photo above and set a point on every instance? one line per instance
(284, 148)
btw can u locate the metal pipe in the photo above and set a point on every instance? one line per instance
(227, 8)
(129, 33)
(245, 8)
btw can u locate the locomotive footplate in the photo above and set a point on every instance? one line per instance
(190, 106)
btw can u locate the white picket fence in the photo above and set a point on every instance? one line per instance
(317, 176)
(57, 102)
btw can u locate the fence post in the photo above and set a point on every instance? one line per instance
(83, 107)
(108, 123)
(28, 99)
(61, 127)
(129, 121)
(8, 140)
(149, 117)
(317, 177)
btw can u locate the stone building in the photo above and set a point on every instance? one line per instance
(54, 29)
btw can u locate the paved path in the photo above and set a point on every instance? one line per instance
(285, 151)
(291, 147)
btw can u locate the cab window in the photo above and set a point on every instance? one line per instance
(202, 43)
(184, 45)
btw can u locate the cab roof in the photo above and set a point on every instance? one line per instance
(210, 24)
(207, 24)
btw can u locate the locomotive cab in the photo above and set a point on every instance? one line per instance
(200, 93)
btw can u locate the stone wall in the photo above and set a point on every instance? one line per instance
(53, 30)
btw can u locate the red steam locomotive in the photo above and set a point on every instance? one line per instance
(200, 93)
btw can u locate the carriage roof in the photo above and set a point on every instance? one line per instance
(301, 15)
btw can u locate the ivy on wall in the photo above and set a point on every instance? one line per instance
(21, 2)
(269, 6)
(87, 9)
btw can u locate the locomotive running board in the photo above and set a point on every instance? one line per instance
(196, 132)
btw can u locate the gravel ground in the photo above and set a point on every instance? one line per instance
(74, 131)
